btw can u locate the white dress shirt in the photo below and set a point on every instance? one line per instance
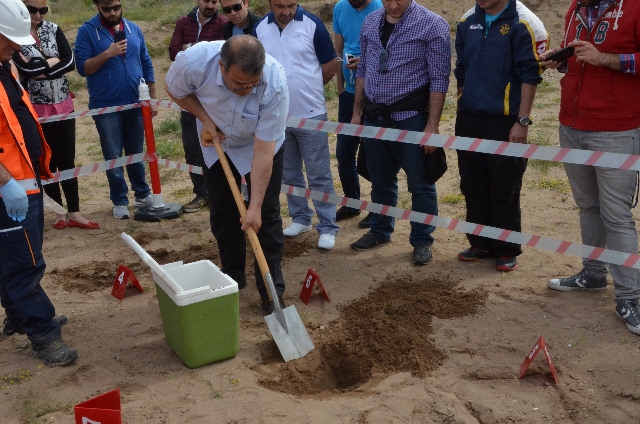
(261, 114)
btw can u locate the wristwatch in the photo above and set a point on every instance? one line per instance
(525, 121)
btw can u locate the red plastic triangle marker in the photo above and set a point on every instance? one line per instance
(322, 290)
(307, 287)
(123, 276)
(310, 280)
(103, 409)
(540, 345)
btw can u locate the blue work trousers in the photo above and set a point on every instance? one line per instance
(21, 269)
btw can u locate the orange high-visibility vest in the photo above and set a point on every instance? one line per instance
(13, 155)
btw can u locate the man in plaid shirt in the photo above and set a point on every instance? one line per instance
(402, 81)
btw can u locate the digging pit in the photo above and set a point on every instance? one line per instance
(388, 331)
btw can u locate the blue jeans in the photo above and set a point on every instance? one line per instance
(21, 269)
(346, 149)
(312, 148)
(384, 161)
(604, 196)
(118, 131)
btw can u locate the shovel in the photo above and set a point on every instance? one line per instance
(285, 325)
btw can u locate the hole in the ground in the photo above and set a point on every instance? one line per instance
(385, 332)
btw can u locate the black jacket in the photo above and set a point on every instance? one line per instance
(227, 30)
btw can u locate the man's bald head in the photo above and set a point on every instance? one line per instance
(245, 52)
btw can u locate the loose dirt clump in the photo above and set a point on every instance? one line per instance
(144, 238)
(91, 276)
(385, 332)
(297, 246)
(192, 253)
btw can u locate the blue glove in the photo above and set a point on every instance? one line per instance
(15, 200)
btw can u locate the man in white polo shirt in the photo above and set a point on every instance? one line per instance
(233, 88)
(300, 41)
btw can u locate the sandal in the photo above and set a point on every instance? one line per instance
(60, 225)
(88, 226)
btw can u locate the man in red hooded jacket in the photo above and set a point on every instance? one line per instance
(600, 111)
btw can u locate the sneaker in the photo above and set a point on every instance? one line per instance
(10, 328)
(506, 263)
(267, 304)
(365, 222)
(294, 229)
(54, 353)
(368, 241)
(143, 202)
(121, 212)
(627, 310)
(581, 281)
(422, 254)
(326, 241)
(472, 254)
(196, 204)
(346, 213)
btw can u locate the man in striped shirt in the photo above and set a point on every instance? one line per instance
(402, 81)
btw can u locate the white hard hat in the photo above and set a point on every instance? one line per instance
(15, 22)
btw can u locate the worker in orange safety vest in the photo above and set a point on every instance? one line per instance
(24, 158)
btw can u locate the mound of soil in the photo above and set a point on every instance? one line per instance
(91, 276)
(386, 332)
(192, 253)
(297, 246)
(144, 238)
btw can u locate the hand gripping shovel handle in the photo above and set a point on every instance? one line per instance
(253, 237)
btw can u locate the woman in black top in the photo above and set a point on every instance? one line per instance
(42, 67)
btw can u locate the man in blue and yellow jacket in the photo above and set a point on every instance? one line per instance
(497, 70)
(24, 158)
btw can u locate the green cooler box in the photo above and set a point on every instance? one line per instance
(200, 312)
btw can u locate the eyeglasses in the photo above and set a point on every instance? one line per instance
(242, 89)
(33, 10)
(236, 8)
(384, 55)
(108, 9)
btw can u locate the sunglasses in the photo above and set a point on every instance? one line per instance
(236, 8)
(108, 9)
(384, 56)
(33, 10)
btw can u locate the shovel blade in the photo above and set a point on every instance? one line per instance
(295, 343)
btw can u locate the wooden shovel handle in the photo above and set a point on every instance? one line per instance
(253, 237)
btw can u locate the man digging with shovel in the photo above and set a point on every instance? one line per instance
(240, 98)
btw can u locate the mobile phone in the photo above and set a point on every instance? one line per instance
(349, 57)
(119, 36)
(562, 55)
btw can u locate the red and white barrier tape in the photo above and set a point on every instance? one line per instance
(96, 167)
(529, 151)
(539, 242)
(531, 240)
(84, 114)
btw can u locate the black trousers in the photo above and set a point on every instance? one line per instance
(61, 137)
(193, 152)
(491, 184)
(225, 225)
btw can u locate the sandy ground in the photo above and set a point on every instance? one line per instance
(397, 344)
